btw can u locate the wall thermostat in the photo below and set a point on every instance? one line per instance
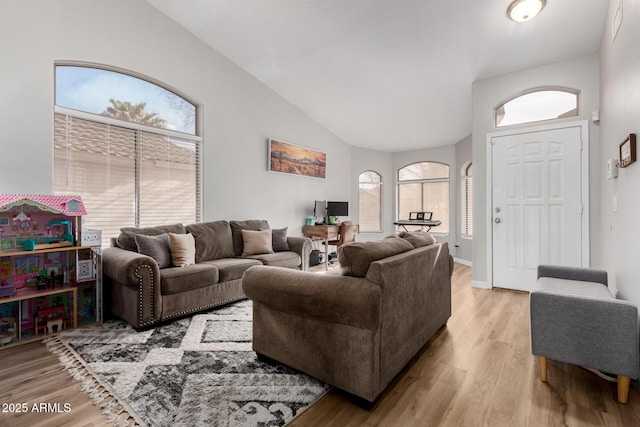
(612, 168)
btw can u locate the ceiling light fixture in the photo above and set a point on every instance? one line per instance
(525, 10)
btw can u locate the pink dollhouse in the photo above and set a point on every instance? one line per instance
(41, 258)
(31, 223)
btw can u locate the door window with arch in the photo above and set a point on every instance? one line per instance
(370, 202)
(537, 105)
(424, 186)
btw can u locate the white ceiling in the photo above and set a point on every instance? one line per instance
(390, 75)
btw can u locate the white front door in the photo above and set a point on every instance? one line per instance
(537, 203)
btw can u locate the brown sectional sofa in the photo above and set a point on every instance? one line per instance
(356, 330)
(139, 291)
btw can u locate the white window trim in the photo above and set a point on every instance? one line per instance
(463, 200)
(400, 182)
(123, 123)
(381, 230)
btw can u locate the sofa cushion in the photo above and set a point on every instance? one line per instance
(174, 280)
(236, 232)
(213, 240)
(232, 268)
(256, 242)
(418, 238)
(127, 238)
(287, 259)
(183, 249)
(279, 240)
(356, 257)
(157, 247)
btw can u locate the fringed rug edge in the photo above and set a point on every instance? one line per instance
(116, 410)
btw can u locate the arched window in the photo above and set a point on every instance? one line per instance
(467, 201)
(424, 187)
(128, 146)
(370, 202)
(536, 105)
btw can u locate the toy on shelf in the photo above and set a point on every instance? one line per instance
(36, 222)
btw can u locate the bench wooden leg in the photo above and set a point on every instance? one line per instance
(542, 364)
(623, 388)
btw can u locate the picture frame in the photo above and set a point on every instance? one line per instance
(296, 160)
(627, 151)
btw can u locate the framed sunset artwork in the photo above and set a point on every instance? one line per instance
(296, 160)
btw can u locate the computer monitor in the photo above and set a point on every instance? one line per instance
(337, 208)
(320, 210)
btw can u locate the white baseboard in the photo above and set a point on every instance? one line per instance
(482, 285)
(463, 262)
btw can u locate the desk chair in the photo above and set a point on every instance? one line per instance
(346, 235)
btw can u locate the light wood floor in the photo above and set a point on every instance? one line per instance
(477, 371)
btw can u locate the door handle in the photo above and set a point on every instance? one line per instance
(497, 220)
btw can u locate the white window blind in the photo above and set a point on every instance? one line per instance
(370, 202)
(424, 186)
(126, 176)
(467, 201)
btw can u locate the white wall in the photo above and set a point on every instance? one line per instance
(620, 116)
(580, 73)
(239, 113)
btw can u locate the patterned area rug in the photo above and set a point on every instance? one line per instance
(197, 371)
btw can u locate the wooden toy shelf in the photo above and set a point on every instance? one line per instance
(50, 269)
(28, 294)
(18, 252)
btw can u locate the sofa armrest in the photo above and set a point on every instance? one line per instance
(125, 266)
(573, 273)
(133, 282)
(337, 299)
(600, 333)
(302, 246)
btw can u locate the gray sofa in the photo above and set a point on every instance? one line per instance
(359, 329)
(575, 319)
(139, 291)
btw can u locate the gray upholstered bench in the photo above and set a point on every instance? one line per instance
(575, 319)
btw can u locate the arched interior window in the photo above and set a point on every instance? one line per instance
(537, 105)
(370, 202)
(128, 147)
(122, 96)
(467, 201)
(424, 187)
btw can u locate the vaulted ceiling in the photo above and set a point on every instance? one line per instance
(390, 75)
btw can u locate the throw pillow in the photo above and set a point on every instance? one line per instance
(279, 240)
(183, 249)
(238, 226)
(418, 238)
(127, 238)
(157, 247)
(256, 242)
(213, 240)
